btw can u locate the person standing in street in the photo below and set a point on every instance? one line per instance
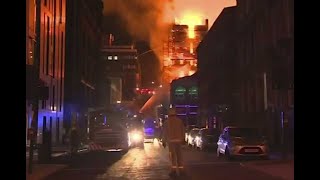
(173, 136)
(74, 141)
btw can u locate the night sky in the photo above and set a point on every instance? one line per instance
(149, 63)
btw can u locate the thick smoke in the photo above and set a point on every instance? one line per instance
(143, 18)
(149, 19)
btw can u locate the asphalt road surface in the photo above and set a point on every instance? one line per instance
(151, 162)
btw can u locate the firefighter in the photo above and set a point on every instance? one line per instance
(173, 136)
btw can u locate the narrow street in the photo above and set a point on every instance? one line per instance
(151, 162)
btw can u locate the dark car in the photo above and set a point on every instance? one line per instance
(207, 138)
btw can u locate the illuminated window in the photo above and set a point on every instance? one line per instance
(193, 90)
(109, 57)
(180, 92)
(181, 61)
(115, 57)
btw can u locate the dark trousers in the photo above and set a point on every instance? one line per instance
(175, 154)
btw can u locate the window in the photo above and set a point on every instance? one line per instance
(43, 104)
(54, 51)
(47, 44)
(44, 124)
(109, 57)
(30, 59)
(60, 8)
(57, 130)
(50, 124)
(53, 98)
(61, 69)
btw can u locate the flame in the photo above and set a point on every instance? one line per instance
(191, 72)
(149, 20)
(181, 74)
(191, 20)
(191, 47)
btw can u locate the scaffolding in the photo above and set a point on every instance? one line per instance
(179, 50)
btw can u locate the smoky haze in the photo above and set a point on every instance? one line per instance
(147, 20)
(143, 19)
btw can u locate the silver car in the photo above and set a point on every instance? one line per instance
(237, 142)
(192, 137)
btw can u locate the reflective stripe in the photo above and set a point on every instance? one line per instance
(174, 167)
(180, 167)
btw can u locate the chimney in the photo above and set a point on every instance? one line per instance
(111, 39)
(207, 23)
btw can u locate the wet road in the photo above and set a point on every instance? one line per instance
(151, 162)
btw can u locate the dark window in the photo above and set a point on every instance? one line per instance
(58, 130)
(53, 98)
(43, 104)
(47, 38)
(61, 69)
(44, 124)
(50, 124)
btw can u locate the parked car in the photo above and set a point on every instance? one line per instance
(239, 142)
(207, 138)
(192, 136)
(188, 129)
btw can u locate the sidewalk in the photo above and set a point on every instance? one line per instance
(40, 171)
(57, 150)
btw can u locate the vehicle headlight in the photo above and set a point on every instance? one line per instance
(135, 136)
(197, 138)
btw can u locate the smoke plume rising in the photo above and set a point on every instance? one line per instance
(148, 19)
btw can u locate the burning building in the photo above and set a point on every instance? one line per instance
(179, 57)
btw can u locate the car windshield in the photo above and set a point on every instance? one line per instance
(244, 132)
(195, 131)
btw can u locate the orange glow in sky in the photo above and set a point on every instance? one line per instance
(194, 12)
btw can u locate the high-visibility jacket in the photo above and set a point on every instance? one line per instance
(173, 130)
